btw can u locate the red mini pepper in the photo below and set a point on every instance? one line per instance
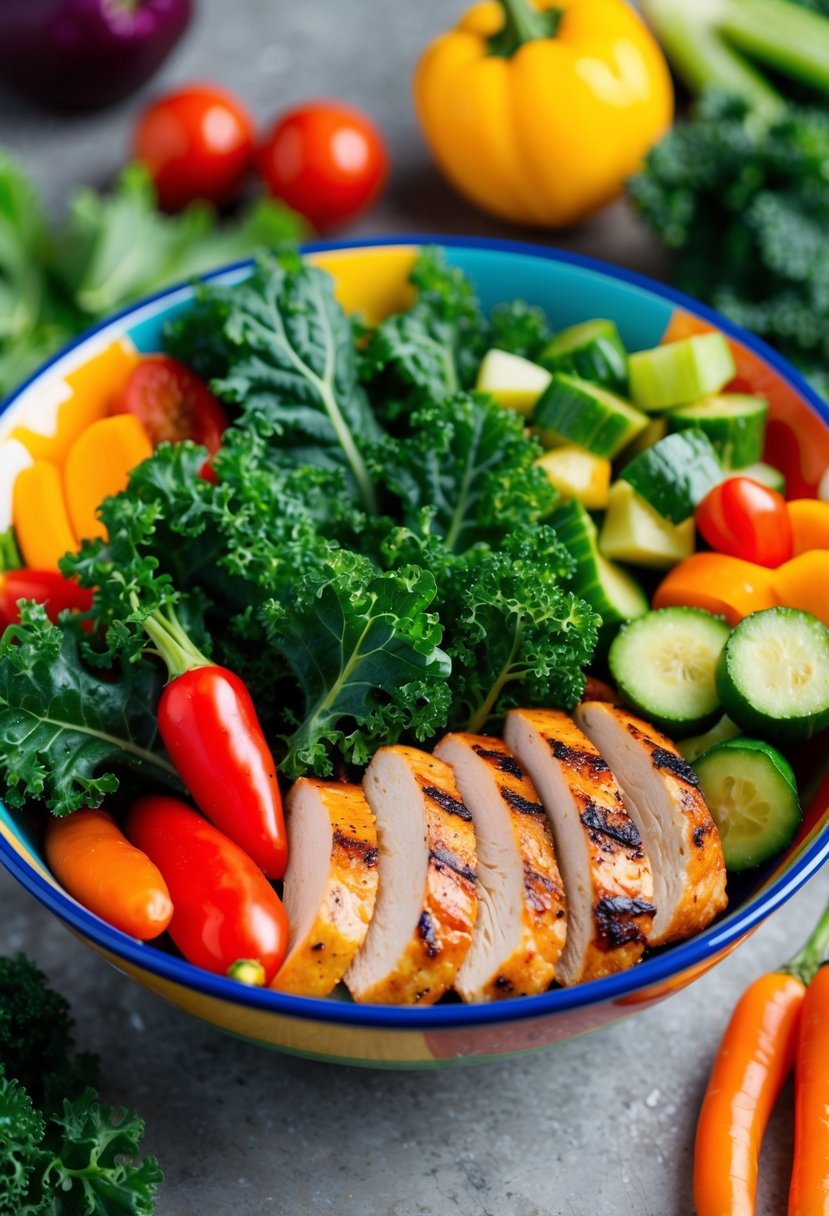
(227, 917)
(47, 587)
(210, 728)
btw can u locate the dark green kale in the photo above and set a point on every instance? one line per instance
(61, 1152)
(519, 328)
(744, 204)
(470, 465)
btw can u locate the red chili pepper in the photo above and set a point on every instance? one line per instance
(226, 914)
(210, 728)
(47, 587)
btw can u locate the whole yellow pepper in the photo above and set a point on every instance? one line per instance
(538, 115)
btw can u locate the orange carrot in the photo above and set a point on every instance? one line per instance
(98, 465)
(809, 1192)
(89, 854)
(41, 523)
(753, 1061)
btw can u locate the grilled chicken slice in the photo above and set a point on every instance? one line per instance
(427, 896)
(519, 933)
(606, 872)
(330, 883)
(662, 794)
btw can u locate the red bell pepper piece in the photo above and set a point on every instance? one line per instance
(210, 728)
(226, 917)
(47, 587)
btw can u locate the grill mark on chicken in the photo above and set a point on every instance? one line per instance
(595, 819)
(426, 929)
(444, 859)
(577, 758)
(617, 919)
(365, 852)
(700, 833)
(453, 806)
(675, 764)
(505, 764)
(520, 804)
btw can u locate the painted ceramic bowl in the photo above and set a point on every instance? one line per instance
(371, 279)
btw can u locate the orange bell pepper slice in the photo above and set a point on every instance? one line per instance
(803, 583)
(98, 465)
(41, 521)
(726, 586)
(809, 518)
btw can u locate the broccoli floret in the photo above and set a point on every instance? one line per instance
(36, 1044)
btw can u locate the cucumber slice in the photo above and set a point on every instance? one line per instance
(675, 474)
(592, 350)
(614, 593)
(632, 531)
(751, 793)
(734, 422)
(587, 415)
(665, 665)
(773, 676)
(766, 474)
(678, 372)
(693, 747)
(576, 473)
(514, 382)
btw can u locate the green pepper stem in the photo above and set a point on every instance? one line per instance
(173, 644)
(523, 23)
(809, 958)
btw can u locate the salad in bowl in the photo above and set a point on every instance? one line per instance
(414, 652)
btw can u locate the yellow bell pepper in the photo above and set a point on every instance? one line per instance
(538, 115)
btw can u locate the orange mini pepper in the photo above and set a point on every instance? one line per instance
(726, 586)
(98, 465)
(803, 583)
(539, 114)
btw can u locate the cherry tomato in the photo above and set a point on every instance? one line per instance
(173, 404)
(326, 160)
(744, 519)
(197, 144)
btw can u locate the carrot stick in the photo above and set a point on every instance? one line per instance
(98, 866)
(753, 1061)
(809, 1192)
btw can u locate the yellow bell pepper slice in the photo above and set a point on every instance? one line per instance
(41, 521)
(576, 473)
(98, 465)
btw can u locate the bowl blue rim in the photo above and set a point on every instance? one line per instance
(661, 967)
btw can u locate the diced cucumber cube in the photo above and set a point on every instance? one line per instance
(679, 372)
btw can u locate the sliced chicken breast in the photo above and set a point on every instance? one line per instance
(519, 932)
(606, 872)
(427, 894)
(330, 883)
(662, 794)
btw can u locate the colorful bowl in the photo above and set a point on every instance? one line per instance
(371, 278)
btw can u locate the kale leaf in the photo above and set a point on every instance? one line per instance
(290, 365)
(744, 204)
(61, 725)
(366, 653)
(470, 464)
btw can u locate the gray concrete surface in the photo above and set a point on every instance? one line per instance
(601, 1126)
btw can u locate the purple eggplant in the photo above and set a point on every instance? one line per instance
(85, 54)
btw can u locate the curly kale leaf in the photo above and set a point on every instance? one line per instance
(469, 464)
(63, 730)
(517, 636)
(366, 654)
(36, 1042)
(78, 1162)
(744, 203)
(282, 350)
(519, 328)
(431, 350)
